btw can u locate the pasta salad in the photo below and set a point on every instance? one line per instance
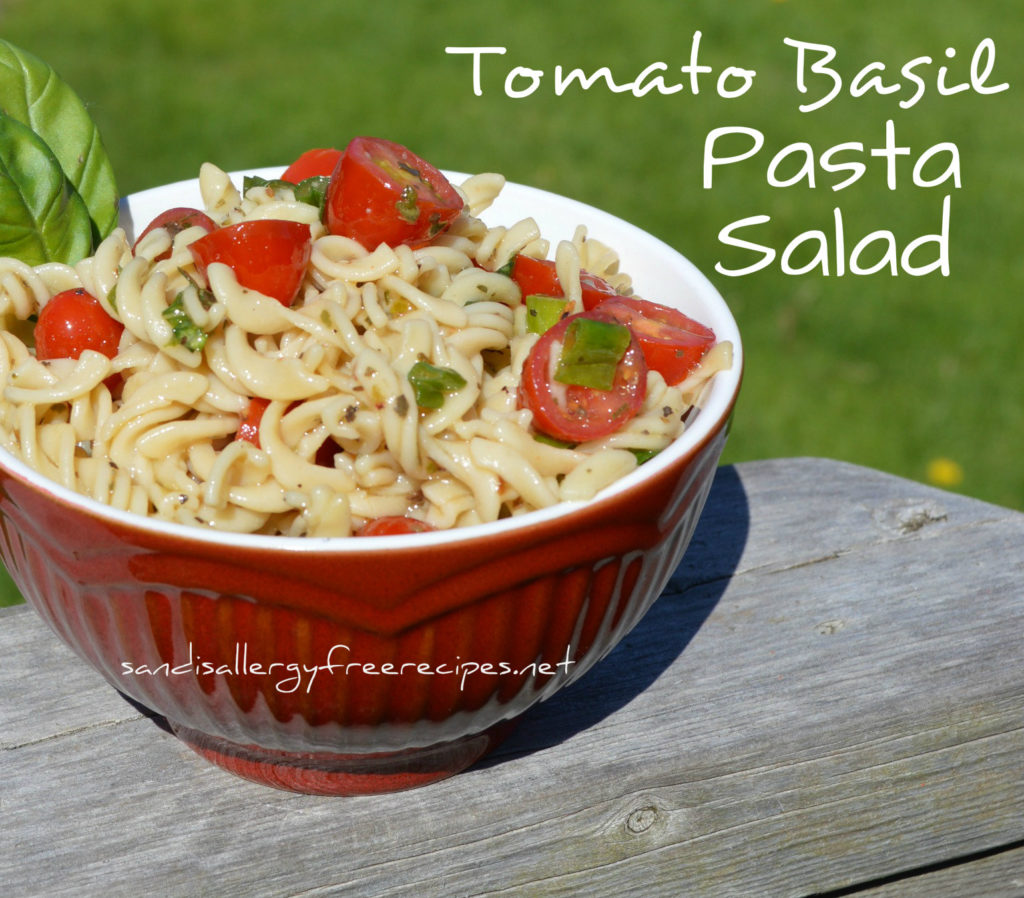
(345, 350)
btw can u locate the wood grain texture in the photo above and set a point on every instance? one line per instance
(828, 699)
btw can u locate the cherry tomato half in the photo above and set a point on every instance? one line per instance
(319, 162)
(539, 276)
(249, 430)
(72, 322)
(394, 525)
(575, 413)
(673, 343)
(536, 276)
(176, 220)
(267, 255)
(382, 192)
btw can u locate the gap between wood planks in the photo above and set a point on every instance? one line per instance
(924, 870)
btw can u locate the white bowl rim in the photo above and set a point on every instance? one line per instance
(712, 310)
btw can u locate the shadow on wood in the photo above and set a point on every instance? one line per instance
(657, 640)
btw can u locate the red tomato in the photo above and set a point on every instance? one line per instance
(673, 343)
(267, 255)
(72, 322)
(249, 429)
(539, 276)
(382, 192)
(325, 454)
(176, 220)
(311, 164)
(574, 413)
(536, 276)
(393, 525)
(595, 290)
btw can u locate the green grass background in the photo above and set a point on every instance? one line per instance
(890, 372)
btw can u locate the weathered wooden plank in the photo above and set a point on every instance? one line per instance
(57, 694)
(996, 875)
(828, 694)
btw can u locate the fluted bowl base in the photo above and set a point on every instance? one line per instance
(325, 773)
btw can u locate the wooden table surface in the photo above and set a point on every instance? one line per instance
(827, 700)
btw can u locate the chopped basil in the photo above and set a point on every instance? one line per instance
(506, 269)
(544, 312)
(591, 353)
(430, 384)
(407, 204)
(312, 191)
(643, 455)
(551, 441)
(436, 225)
(250, 181)
(395, 305)
(184, 330)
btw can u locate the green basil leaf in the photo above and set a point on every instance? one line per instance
(250, 181)
(506, 269)
(184, 329)
(644, 455)
(430, 384)
(312, 191)
(552, 441)
(42, 217)
(32, 93)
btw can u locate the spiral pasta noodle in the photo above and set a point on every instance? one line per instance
(342, 440)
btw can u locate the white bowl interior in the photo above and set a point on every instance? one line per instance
(658, 271)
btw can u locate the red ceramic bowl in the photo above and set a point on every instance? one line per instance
(344, 666)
